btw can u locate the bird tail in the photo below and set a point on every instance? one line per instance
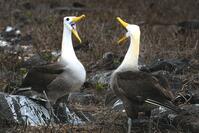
(166, 105)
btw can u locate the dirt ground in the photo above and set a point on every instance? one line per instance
(162, 37)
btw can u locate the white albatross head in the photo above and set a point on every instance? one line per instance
(69, 28)
(133, 31)
(130, 61)
(70, 24)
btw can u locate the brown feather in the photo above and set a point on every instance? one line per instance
(135, 87)
(40, 77)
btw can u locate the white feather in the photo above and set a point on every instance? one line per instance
(130, 61)
(69, 58)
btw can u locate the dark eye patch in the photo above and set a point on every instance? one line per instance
(67, 19)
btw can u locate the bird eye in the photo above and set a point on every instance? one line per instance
(67, 19)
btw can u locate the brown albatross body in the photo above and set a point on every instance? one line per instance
(139, 91)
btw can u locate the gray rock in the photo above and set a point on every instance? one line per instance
(101, 78)
(109, 61)
(177, 66)
(29, 111)
(56, 53)
(189, 122)
(66, 115)
(118, 106)
(21, 110)
(108, 56)
(4, 44)
(113, 102)
(10, 42)
(189, 24)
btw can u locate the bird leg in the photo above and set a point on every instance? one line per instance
(129, 124)
(50, 108)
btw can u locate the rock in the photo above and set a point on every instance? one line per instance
(101, 78)
(109, 61)
(66, 115)
(108, 56)
(21, 110)
(11, 34)
(56, 54)
(29, 111)
(189, 24)
(118, 106)
(4, 43)
(111, 98)
(113, 102)
(11, 41)
(174, 65)
(163, 114)
(189, 122)
(75, 108)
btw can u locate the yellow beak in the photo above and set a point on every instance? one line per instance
(122, 39)
(77, 19)
(124, 24)
(74, 31)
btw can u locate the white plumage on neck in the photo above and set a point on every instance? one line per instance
(67, 50)
(69, 57)
(130, 61)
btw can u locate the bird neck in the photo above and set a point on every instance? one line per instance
(67, 50)
(130, 61)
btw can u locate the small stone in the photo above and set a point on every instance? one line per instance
(101, 77)
(9, 29)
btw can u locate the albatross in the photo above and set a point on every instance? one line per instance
(139, 91)
(64, 76)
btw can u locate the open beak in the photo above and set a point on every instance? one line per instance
(74, 31)
(77, 19)
(124, 24)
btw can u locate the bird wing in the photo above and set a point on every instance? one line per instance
(59, 87)
(54, 68)
(40, 76)
(141, 86)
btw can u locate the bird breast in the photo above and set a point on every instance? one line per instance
(79, 73)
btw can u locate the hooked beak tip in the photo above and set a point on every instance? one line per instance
(122, 22)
